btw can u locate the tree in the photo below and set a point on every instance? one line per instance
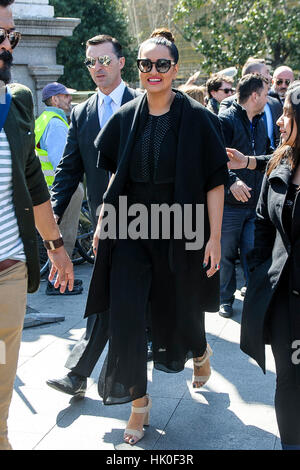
(227, 32)
(97, 17)
(145, 16)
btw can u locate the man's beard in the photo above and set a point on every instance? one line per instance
(282, 93)
(5, 69)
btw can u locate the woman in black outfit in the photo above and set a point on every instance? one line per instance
(163, 147)
(271, 311)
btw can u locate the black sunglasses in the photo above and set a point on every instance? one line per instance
(161, 65)
(13, 37)
(280, 81)
(227, 90)
(90, 62)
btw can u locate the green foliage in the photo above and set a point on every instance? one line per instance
(227, 32)
(97, 17)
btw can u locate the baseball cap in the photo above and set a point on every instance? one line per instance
(55, 88)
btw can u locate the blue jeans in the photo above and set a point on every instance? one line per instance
(237, 240)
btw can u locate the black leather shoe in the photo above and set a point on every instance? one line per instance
(226, 311)
(72, 384)
(51, 290)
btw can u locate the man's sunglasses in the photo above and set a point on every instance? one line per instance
(90, 62)
(227, 90)
(161, 65)
(280, 82)
(13, 37)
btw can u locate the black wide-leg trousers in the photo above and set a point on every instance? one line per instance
(141, 281)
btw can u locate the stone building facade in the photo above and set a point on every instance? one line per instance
(35, 57)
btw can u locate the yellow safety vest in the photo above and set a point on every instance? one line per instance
(40, 125)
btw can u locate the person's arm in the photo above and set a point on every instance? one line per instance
(69, 172)
(215, 204)
(237, 160)
(97, 233)
(42, 210)
(239, 189)
(61, 263)
(55, 140)
(228, 134)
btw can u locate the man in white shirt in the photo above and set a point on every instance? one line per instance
(105, 61)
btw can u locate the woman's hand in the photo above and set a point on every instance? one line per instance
(97, 234)
(237, 160)
(213, 255)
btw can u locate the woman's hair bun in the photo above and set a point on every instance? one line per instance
(164, 33)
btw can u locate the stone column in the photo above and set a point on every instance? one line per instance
(35, 57)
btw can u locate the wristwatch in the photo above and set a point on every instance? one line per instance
(53, 244)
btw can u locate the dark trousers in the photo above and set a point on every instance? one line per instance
(237, 237)
(287, 395)
(89, 348)
(141, 279)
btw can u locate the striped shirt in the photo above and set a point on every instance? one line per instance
(11, 245)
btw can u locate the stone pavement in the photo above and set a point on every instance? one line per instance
(233, 411)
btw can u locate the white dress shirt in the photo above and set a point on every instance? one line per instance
(116, 96)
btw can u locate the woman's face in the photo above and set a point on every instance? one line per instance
(153, 81)
(287, 125)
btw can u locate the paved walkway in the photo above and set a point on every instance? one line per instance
(233, 411)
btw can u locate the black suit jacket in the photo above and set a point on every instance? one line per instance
(80, 157)
(275, 107)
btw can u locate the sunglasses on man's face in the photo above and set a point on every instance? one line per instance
(13, 37)
(161, 65)
(90, 62)
(280, 82)
(227, 90)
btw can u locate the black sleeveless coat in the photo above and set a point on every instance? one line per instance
(201, 165)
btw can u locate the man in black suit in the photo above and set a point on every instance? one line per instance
(273, 108)
(105, 62)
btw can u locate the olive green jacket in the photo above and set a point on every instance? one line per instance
(29, 187)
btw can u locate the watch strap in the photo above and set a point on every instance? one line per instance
(53, 244)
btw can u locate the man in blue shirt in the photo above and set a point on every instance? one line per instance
(57, 99)
(51, 131)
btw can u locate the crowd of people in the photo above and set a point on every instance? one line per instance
(227, 156)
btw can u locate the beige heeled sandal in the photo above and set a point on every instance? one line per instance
(135, 433)
(199, 380)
